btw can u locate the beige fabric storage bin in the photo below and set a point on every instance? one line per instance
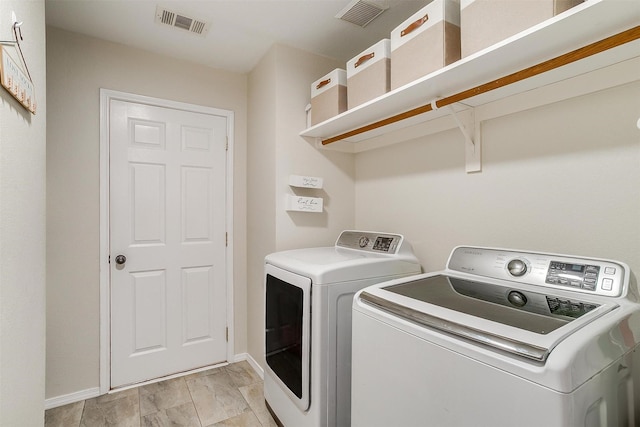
(426, 42)
(329, 96)
(369, 74)
(487, 22)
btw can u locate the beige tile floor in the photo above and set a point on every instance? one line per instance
(222, 397)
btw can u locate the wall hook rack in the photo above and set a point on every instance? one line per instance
(12, 75)
(14, 26)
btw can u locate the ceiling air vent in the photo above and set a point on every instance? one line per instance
(178, 20)
(361, 12)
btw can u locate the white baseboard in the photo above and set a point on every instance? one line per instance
(66, 399)
(246, 356)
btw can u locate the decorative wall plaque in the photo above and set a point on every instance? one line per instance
(16, 82)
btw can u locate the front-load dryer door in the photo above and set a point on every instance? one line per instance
(287, 332)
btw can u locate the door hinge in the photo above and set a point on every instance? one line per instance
(226, 334)
(226, 145)
(109, 261)
(226, 239)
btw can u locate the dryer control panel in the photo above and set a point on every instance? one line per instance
(370, 241)
(585, 275)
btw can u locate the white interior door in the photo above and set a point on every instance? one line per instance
(167, 217)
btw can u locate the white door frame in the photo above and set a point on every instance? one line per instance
(106, 96)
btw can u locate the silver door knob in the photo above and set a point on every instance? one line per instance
(121, 259)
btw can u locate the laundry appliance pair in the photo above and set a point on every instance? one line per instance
(356, 335)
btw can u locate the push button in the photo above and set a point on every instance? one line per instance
(609, 270)
(607, 284)
(589, 284)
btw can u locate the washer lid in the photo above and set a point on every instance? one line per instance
(521, 321)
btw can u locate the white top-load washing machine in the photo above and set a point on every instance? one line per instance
(308, 299)
(499, 338)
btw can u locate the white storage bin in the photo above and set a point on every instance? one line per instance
(487, 22)
(426, 42)
(369, 74)
(329, 96)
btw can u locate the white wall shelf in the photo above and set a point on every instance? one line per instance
(304, 204)
(587, 23)
(303, 181)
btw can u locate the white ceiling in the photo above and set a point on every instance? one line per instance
(241, 32)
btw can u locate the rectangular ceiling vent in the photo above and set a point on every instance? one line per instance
(361, 12)
(178, 20)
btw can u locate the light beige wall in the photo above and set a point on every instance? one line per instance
(560, 178)
(279, 90)
(261, 200)
(22, 228)
(296, 71)
(78, 67)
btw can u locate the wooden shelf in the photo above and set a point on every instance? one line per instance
(583, 25)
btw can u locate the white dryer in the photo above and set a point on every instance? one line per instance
(308, 299)
(499, 338)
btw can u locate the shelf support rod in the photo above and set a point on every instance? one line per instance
(559, 61)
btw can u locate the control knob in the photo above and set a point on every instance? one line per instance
(517, 267)
(517, 298)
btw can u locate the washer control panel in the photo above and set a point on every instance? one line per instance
(370, 241)
(585, 275)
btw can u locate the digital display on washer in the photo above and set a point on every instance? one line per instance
(382, 244)
(573, 275)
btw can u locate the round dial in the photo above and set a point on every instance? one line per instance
(517, 267)
(364, 241)
(517, 298)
